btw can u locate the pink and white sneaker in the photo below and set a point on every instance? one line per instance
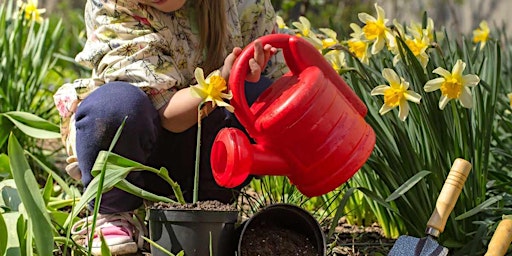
(122, 232)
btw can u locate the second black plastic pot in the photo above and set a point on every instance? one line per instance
(289, 217)
(193, 231)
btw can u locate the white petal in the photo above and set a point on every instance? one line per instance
(413, 96)
(305, 21)
(199, 75)
(470, 80)
(384, 109)
(443, 101)
(433, 84)
(380, 12)
(379, 90)
(391, 76)
(403, 110)
(459, 67)
(365, 17)
(442, 72)
(378, 45)
(466, 100)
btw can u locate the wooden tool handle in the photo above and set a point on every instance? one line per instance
(501, 239)
(448, 196)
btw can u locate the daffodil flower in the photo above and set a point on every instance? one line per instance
(331, 39)
(481, 34)
(426, 34)
(211, 89)
(375, 28)
(510, 98)
(337, 59)
(304, 27)
(280, 22)
(453, 85)
(357, 45)
(396, 94)
(31, 11)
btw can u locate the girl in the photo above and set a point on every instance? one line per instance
(143, 54)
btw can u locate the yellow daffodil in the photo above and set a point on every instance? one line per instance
(211, 89)
(331, 38)
(453, 85)
(396, 94)
(426, 34)
(418, 47)
(337, 59)
(481, 34)
(280, 22)
(375, 29)
(357, 45)
(304, 27)
(31, 11)
(510, 98)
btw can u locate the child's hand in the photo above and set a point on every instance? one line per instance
(256, 64)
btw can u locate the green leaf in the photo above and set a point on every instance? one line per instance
(480, 208)
(5, 129)
(33, 125)
(48, 190)
(28, 189)
(340, 210)
(407, 185)
(105, 251)
(3, 235)
(159, 247)
(5, 166)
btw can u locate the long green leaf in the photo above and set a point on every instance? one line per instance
(3, 235)
(35, 132)
(340, 210)
(32, 120)
(33, 202)
(480, 208)
(407, 185)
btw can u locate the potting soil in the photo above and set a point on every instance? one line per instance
(264, 239)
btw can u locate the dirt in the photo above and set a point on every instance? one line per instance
(201, 205)
(262, 239)
(358, 241)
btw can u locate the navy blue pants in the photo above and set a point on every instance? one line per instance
(144, 140)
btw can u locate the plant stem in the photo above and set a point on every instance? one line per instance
(198, 153)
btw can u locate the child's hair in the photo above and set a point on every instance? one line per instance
(212, 25)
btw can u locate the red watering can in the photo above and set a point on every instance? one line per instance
(308, 125)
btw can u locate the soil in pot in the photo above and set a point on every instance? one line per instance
(209, 205)
(265, 239)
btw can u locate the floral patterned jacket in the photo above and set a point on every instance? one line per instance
(153, 50)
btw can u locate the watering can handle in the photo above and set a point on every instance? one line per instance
(299, 55)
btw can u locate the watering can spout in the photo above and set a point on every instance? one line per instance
(236, 158)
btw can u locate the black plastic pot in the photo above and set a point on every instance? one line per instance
(289, 217)
(192, 230)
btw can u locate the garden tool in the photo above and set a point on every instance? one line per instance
(408, 245)
(308, 125)
(501, 239)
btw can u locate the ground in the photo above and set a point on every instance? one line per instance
(358, 241)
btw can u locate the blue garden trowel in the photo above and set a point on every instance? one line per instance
(428, 246)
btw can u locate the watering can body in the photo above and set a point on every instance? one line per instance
(308, 125)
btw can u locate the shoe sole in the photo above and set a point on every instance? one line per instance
(118, 249)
